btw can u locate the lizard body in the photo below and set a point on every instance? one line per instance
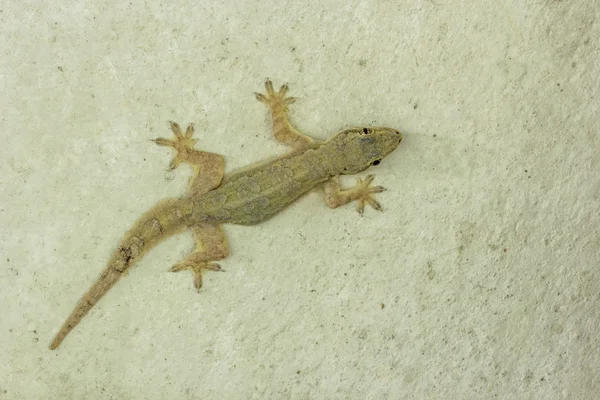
(246, 197)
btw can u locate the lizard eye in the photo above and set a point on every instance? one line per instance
(376, 162)
(366, 131)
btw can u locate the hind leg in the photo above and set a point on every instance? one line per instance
(208, 167)
(211, 245)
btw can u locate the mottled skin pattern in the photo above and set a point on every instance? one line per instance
(245, 197)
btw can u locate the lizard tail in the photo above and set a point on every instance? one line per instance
(164, 219)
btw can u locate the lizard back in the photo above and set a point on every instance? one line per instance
(255, 194)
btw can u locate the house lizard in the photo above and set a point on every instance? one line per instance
(245, 197)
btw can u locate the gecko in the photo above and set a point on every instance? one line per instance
(245, 197)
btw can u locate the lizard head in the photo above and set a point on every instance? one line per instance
(359, 148)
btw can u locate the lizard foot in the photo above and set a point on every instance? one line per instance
(183, 143)
(275, 100)
(197, 268)
(363, 192)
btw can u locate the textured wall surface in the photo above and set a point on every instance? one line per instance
(480, 280)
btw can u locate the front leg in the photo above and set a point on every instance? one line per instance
(282, 129)
(336, 197)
